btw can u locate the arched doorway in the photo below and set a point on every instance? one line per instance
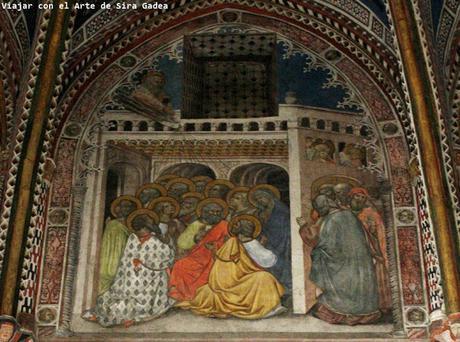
(262, 173)
(122, 178)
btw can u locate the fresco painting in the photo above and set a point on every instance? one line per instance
(188, 220)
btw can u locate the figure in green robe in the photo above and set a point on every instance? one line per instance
(343, 269)
(194, 231)
(114, 240)
(199, 228)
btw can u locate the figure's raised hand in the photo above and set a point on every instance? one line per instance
(301, 221)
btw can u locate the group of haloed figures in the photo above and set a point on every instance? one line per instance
(223, 250)
(205, 245)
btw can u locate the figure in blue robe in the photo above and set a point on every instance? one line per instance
(276, 228)
(343, 268)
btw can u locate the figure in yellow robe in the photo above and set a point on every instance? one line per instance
(114, 240)
(113, 244)
(238, 286)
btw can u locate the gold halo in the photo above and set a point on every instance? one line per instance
(252, 218)
(201, 179)
(191, 185)
(171, 200)
(161, 189)
(192, 194)
(206, 201)
(165, 178)
(235, 190)
(333, 180)
(225, 182)
(267, 187)
(143, 211)
(117, 201)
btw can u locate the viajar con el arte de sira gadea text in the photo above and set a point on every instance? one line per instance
(121, 5)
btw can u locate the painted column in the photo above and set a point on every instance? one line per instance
(298, 271)
(78, 199)
(35, 124)
(385, 196)
(426, 126)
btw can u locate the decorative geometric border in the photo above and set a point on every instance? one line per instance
(430, 254)
(36, 226)
(447, 161)
(21, 125)
(445, 33)
(32, 258)
(32, 252)
(11, 61)
(103, 20)
(9, 87)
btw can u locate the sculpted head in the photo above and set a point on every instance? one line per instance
(153, 80)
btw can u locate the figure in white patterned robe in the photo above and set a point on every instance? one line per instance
(138, 293)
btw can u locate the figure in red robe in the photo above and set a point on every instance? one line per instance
(375, 233)
(197, 243)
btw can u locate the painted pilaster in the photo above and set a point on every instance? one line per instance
(29, 142)
(78, 196)
(298, 271)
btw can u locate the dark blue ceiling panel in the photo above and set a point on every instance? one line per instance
(378, 7)
(436, 9)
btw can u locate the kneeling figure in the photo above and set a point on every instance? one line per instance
(238, 284)
(140, 288)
